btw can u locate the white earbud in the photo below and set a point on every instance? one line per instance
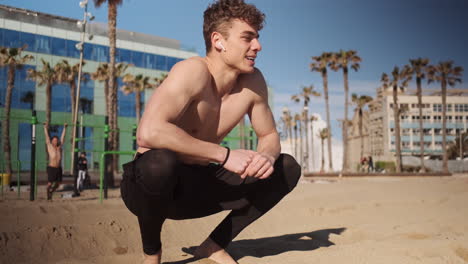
(220, 46)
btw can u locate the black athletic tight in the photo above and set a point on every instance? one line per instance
(157, 186)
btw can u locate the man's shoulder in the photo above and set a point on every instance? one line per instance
(193, 65)
(253, 81)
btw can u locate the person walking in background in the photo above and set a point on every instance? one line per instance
(82, 170)
(54, 168)
(371, 165)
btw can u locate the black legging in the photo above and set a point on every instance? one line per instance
(157, 186)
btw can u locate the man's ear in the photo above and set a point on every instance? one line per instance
(216, 39)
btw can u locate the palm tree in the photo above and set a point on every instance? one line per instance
(447, 74)
(305, 97)
(46, 76)
(418, 67)
(287, 120)
(400, 81)
(297, 125)
(136, 84)
(342, 60)
(320, 65)
(312, 120)
(68, 74)
(360, 102)
(102, 74)
(458, 147)
(323, 134)
(11, 58)
(28, 98)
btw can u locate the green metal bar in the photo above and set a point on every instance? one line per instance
(101, 168)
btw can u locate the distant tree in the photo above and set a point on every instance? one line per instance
(343, 60)
(399, 82)
(136, 84)
(323, 134)
(418, 67)
(68, 74)
(297, 126)
(28, 98)
(13, 60)
(304, 96)
(458, 147)
(447, 74)
(312, 120)
(45, 76)
(360, 102)
(320, 64)
(287, 121)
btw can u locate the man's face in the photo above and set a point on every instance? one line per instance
(55, 141)
(242, 46)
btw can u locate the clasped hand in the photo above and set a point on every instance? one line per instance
(250, 163)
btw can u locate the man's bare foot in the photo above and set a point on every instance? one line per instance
(153, 259)
(209, 249)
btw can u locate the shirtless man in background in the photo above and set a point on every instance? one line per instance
(180, 170)
(54, 167)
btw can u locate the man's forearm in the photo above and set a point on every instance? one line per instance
(176, 139)
(269, 145)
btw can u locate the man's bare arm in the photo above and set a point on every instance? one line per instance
(264, 126)
(46, 133)
(62, 137)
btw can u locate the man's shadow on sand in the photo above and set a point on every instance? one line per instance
(271, 246)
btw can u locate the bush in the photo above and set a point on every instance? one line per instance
(388, 166)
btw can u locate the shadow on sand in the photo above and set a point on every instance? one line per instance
(271, 246)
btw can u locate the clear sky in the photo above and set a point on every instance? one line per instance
(386, 33)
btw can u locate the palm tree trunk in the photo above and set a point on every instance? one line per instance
(73, 98)
(6, 122)
(396, 117)
(301, 150)
(48, 101)
(312, 145)
(360, 133)
(113, 136)
(306, 123)
(291, 137)
(345, 123)
(421, 134)
(444, 125)
(242, 133)
(327, 107)
(137, 106)
(295, 141)
(323, 157)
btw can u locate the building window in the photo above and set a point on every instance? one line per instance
(449, 107)
(59, 46)
(437, 108)
(126, 106)
(437, 131)
(437, 119)
(61, 101)
(22, 96)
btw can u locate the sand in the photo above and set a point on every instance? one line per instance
(352, 220)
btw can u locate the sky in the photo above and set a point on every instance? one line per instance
(385, 33)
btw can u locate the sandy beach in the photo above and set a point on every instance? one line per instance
(349, 220)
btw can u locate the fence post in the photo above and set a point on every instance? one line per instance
(106, 161)
(18, 181)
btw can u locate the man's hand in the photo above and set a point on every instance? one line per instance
(239, 160)
(65, 125)
(261, 166)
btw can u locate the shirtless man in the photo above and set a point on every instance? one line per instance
(180, 170)
(54, 169)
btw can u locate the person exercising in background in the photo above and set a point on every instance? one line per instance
(54, 168)
(180, 170)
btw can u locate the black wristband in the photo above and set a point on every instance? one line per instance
(227, 156)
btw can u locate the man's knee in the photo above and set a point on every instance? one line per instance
(290, 169)
(155, 171)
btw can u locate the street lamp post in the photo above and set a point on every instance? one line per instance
(79, 46)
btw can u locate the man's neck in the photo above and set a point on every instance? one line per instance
(224, 76)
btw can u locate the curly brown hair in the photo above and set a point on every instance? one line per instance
(218, 16)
